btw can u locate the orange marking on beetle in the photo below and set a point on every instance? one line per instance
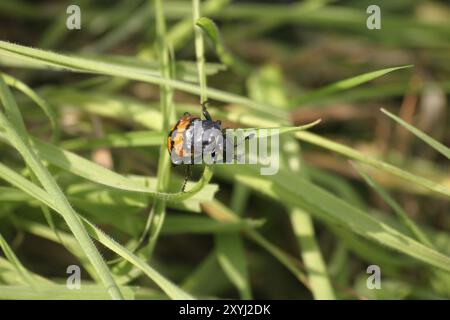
(176, 142)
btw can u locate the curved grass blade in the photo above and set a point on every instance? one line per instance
(49, 112)
(13, 111)
(181, 32)
(212, 32)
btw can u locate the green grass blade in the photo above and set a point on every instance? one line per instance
(199, 51)
(230, 250)
(215, 208)
(11, 276)
(212, 32)
(207, 278)
(210, 29)
(155, 219)
(9, 254)
(49, 112)
(182, 31)
(344, 85)
(167, 286)
(444, 150)
(253, 120)
(69, 241)
(151, 138)
(235, 259)
(116, 140)
(270, 131)
(318, 278)
(12, 111)
(60, 292)
(286, 260)
(231, 257)
(401, 214)
(176, 224)
(356, 155)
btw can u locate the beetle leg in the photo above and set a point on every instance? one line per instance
(205, 111)
(187, 175)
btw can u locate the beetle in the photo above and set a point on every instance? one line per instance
(191, 138)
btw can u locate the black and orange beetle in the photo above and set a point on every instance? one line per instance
(191, 138)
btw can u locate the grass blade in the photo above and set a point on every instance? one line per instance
(212, 32)
(60, 292)
(49, 112)
(421, 135)
(69, 241)
(116, 140)
(356, 155)
(318, 278)
(218, 211)
(157, 214)
(344, 85)
(231, 257)
(9, 254)
(401, 214)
